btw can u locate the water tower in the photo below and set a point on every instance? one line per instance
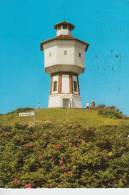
(64, 61)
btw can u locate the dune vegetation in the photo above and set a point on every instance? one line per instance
(67, 148)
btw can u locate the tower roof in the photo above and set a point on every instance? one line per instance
(70, 26)
(65, 38)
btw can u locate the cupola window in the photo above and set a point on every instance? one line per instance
(59, 27)
(55, 86)
(64, 26)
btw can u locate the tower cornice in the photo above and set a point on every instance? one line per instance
(64, 38)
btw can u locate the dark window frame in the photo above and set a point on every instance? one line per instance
(75, 86)
(59, 27)
(65, 26)
(79, 55)
(55, 86)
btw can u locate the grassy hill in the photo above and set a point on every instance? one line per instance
(84, 117)
(66, 148)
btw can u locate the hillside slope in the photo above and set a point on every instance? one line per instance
(66, 148)
(84, 117)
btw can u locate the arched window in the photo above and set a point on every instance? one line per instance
(55, 86)
(75, 86)
(79, 55)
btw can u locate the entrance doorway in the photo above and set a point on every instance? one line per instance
(66, 103)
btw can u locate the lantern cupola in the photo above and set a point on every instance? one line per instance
(64, 28)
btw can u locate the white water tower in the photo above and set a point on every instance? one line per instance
(64, 61)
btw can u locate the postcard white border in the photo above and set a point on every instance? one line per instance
(55, 191)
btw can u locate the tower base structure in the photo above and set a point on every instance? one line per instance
(64, 101)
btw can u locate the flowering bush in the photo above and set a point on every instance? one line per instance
(64, 156)
(28, 185)
(58, 146)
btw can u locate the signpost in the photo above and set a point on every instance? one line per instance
(25, 114)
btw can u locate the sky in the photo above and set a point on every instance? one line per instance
(25, 24)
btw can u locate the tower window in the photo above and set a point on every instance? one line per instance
(79, 55)
(75, 86)
(65, 52)
(50, 54)
(59, 27)
(55, 86)
(64, 26)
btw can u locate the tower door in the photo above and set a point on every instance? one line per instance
(66, 103)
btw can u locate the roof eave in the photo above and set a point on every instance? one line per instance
(64, 22)
(54, 39)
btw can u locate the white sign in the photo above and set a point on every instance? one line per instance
(27, 114)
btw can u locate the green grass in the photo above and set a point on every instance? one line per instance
(84, 117)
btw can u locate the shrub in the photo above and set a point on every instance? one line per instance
(25, 109)
(64, 156)
(101, 106)
(111, 113)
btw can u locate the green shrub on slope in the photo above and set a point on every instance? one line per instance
(110, 112)
(64, 156)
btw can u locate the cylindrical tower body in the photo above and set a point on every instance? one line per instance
(64, 61)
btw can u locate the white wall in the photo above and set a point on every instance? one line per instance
(50, 60)
(63, 32)
(69, 57)
(65, 83)
(56, 101)
(79, 48)
(57, 48)
(76, 101)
